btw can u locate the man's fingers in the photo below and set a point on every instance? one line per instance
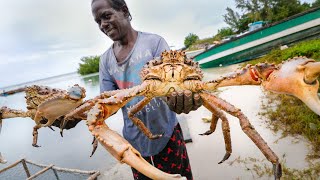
(172, 100)
(188, 101)
(179, 105)
(197, 101)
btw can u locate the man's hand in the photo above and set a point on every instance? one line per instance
(183, 101)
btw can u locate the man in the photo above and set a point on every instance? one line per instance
(119, 68)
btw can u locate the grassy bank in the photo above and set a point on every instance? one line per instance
(310, 49)
(291, 115)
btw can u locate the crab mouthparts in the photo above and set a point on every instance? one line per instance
(171, 90)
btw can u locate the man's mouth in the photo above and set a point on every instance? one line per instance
(109, 31)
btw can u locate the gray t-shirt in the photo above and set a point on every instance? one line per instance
(156, 115)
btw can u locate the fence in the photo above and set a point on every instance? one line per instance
(25, 169)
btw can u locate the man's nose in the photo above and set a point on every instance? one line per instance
(104, 24)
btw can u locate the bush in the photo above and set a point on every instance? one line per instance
(190, 39)
(309, 49)
(90, 65)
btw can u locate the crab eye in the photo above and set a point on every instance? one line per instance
(75, 92)
(152, 77)
(193, 77)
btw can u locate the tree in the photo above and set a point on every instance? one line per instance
(263, 10)
(190, 39)
(232, 18)
(90, 65)
(316, 3)
(223, 32)
(285, 8)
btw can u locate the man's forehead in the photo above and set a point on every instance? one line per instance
(98, 5)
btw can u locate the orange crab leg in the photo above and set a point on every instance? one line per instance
(79, 112)
(248, 129)
(121, 149)
(136, 108)
(216, 114)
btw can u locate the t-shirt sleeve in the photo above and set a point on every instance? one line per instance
(162, 45)
(105, 79)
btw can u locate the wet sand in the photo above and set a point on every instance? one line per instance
(206, 151)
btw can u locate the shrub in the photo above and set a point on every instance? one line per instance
(190, 39)
(90, 65)
(309, 49)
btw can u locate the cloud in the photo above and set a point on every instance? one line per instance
(43, 38)
(174, 20)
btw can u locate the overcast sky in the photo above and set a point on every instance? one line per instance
(43, 38)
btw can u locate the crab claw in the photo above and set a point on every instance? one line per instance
(297, 77)
(121, 149)
(2, 160)
(226, 156)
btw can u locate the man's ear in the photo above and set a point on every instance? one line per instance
(126, 12)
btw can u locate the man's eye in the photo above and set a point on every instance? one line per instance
(98, 21)
(106, 16)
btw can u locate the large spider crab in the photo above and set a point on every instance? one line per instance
(174, 72)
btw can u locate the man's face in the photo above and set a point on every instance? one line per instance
(113, 23)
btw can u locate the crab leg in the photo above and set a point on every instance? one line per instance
(121, 149)
(249, 130)
(216, 114)
(11, 113)
(79, 112)
(244, 76)
(6, 112)
(136, 108)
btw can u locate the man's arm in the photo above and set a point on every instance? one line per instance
(105, 79)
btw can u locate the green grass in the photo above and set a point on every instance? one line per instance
(309, 49)
(260, 169)
(291, 115)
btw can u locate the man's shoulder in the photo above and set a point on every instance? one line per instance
(106, 54)
(150, 35)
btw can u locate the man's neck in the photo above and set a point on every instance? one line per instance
(122, 48)
(129, 39)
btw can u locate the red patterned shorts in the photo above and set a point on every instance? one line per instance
(173, 159)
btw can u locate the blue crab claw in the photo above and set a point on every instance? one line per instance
(76, 92)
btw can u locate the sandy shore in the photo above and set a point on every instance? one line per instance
(206, 151)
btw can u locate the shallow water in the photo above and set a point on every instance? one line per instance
(73, 150)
